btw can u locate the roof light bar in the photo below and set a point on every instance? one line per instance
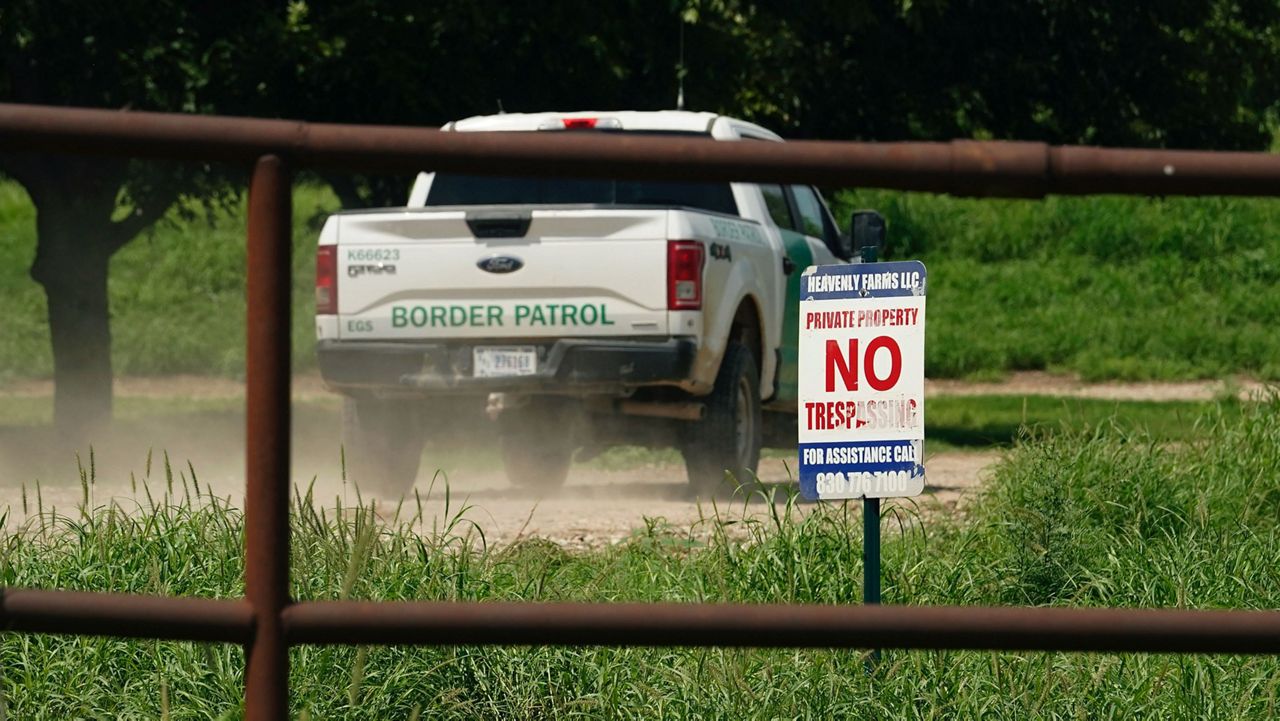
(581, 124)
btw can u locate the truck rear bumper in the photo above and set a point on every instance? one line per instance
(565, 366)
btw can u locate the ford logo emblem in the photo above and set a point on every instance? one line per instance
(500, 264)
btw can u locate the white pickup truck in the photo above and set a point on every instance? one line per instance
(581, 313)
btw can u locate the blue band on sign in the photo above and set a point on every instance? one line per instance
(857, 464)
(864, 280)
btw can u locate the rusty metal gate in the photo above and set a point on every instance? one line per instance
(267, 622)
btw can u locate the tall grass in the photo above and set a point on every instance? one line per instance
(1104, 517)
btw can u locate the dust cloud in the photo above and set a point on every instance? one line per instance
(199, 423)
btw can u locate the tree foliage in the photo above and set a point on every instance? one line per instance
(1183, 73)
(396, 61)
(129, 54)
(1188, 73)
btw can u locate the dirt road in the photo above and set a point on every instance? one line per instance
(601, 507)
(595, 508)
(602, 503)
(1035, 383)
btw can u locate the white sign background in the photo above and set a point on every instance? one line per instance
(862, 441)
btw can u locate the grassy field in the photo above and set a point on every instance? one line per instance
(1108, 287)
(1099, 504)
(1105, 517)
(1103, 287)
(183, 282)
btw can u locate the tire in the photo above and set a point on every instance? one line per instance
(382, 444)
(538, 442)
(728, 438)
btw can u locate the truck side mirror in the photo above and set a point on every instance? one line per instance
(866, 233)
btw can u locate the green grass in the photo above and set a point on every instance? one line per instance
(959, 422)
(1101, 517)
(183, 282)
(1109, 287)
(24, 339)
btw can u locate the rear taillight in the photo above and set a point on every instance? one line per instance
(684, 275)
(327, 280)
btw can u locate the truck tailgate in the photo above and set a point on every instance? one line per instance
(575, 272)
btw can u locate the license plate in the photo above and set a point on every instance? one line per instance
(496, 362)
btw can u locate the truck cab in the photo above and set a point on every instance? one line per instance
(580, 313)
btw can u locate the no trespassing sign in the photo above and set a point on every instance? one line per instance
(861, 384)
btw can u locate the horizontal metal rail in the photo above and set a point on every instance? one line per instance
(790, 626)
(963, 167)
(125, 615)
(650, 624)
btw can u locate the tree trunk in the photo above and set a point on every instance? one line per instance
(76, 199)
(73, 273)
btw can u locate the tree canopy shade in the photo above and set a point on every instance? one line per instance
(398, 61)
(1189, 73)
(127, 54)
(1183, 73)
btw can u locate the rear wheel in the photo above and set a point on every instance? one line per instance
(728, 438)
(382, 444)
(538, 441)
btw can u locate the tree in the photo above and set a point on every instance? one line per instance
(1184, 74)
(353, 61)
(130, 54)
(396, 61)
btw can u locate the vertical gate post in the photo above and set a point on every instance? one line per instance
(871, 522)
(266, 512)
(871, 562)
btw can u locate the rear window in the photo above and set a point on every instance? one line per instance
(450, 189)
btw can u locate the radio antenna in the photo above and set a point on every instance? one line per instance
(680, 70)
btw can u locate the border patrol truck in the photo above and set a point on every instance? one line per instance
(580, 313)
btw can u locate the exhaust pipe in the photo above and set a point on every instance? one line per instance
(678, 411)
